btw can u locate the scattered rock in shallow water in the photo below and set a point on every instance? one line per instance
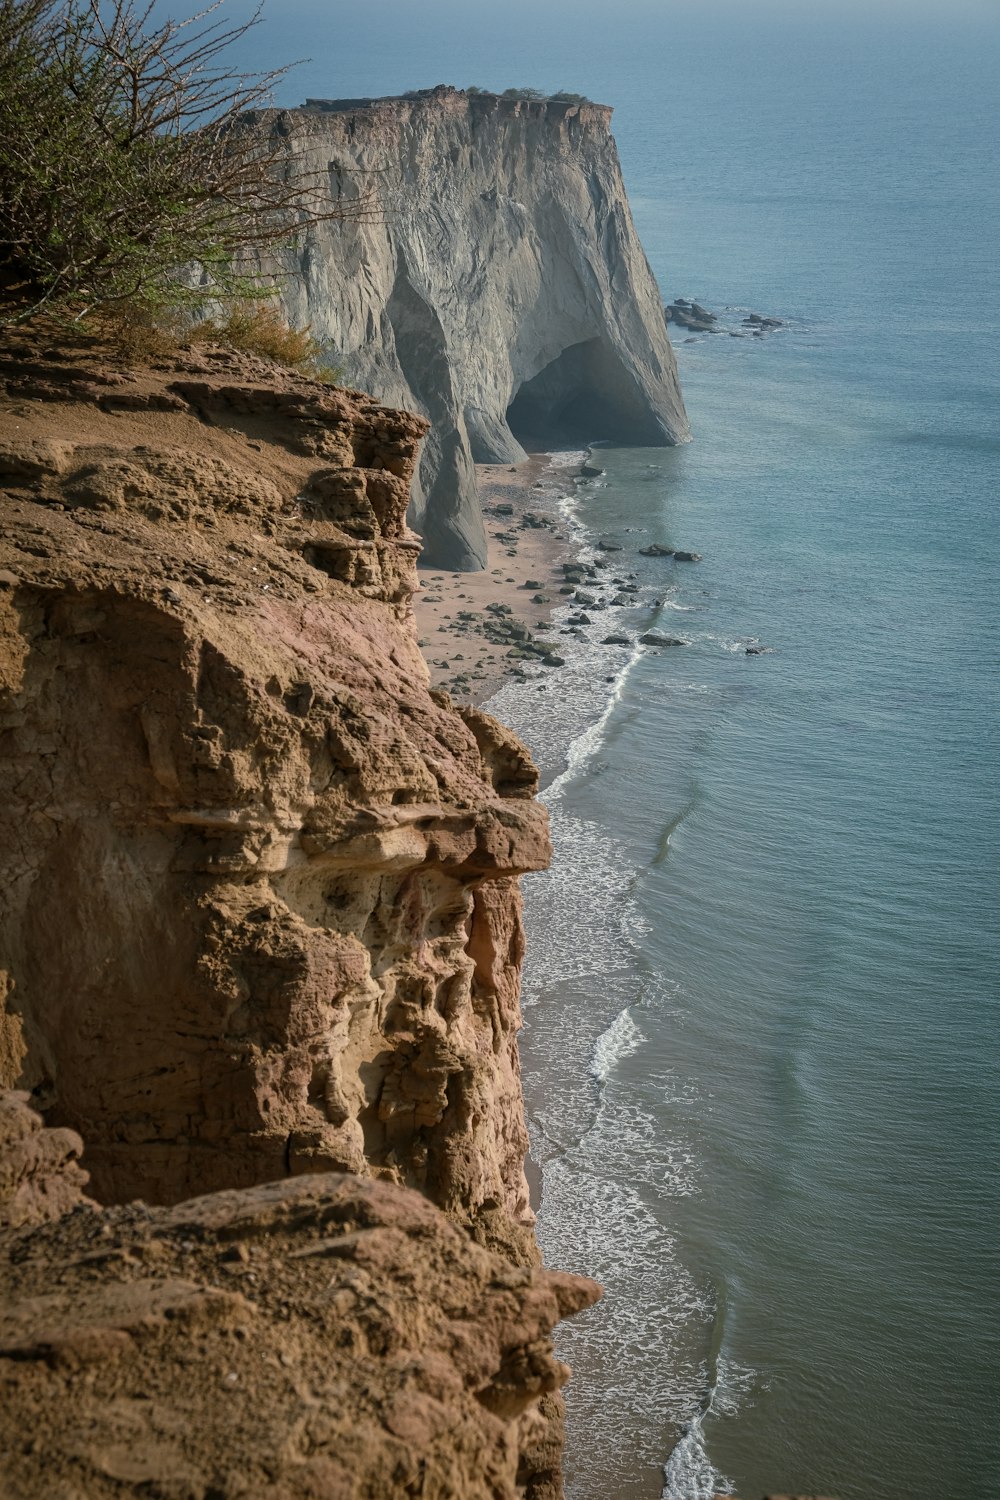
(691, 315)
(609, 546)
(656, 550)
(616, 640)
(687, 557)
(580, 619)
(653, 638)
(553, 661)
(590, 471)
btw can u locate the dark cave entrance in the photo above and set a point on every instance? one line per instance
(582, 396)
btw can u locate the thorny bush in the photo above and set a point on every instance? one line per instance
(135, 166)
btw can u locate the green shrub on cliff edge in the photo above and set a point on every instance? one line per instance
(531, 96)
(129, 173)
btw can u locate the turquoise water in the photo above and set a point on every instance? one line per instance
(762, 989)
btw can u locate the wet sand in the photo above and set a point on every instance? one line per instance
(457, 613)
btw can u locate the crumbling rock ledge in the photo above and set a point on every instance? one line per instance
(493, 280)
(40, 1176)
(327, 1338)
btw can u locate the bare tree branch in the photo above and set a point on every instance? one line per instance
(130, 150)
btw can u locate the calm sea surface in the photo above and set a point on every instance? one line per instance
(762, 989)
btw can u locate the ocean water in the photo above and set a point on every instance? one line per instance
(762, 987)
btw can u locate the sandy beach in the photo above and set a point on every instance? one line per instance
(475, 629)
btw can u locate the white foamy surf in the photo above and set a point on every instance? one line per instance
(622, 1039)
(611, 1162)
(688, 1473)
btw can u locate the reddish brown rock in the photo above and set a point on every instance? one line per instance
(328, 1337)
(258, 901)
(39, 1175)
(259, 913)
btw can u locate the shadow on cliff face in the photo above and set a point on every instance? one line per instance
(583, 395)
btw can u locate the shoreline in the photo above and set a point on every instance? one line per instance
(577, 1031)
(478, 631)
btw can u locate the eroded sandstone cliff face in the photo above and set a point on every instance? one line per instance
(258, 901)
(259, 912)
(329, 1338)
(494, 282)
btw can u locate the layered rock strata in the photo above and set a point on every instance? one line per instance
(258, 899)
(488, 275)
(259, 907)
(328, 1338)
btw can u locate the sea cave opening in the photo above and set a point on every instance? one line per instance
(582, 396)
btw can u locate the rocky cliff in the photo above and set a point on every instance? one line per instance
(259, 908)
(329, 1338)
(494, 282)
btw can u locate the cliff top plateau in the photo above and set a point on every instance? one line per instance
(512, 101)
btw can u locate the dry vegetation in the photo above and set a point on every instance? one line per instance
(140, 177)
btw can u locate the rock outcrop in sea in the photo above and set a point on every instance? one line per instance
(259, 920)
(492, 280)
